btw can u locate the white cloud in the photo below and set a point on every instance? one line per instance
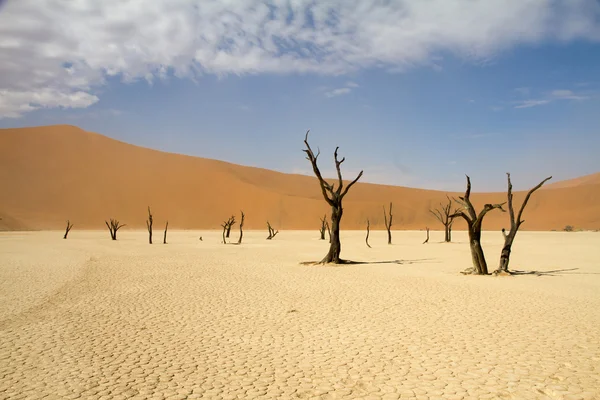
(554, 95)
(351, 84)
(69, 48)
(338, 92)
(531, 103)
(567, 95)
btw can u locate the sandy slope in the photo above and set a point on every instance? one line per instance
(50, 174)
(92, 318)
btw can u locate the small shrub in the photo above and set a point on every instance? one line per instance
(568, 228)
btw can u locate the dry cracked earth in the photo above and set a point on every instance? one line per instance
(89, 318)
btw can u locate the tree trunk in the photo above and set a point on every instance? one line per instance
(505, 254)
(368, 230)
(479, 263)
(335, 247)
(427, 239)
(165, 236)
(447, 233)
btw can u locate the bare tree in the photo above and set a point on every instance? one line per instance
(388, 223)
(149, 225)
(165, 236)
(474, 223)
(328, 230)
(69, 227)
(230, 222)
(241, 228)
(442, 214)
(272, 232)
(427, 240)
(333, 196)
(515, 224)
(368, 230)
(323, 227)
(113, 227)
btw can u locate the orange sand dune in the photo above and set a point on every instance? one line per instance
(54, 173)
(591, 179)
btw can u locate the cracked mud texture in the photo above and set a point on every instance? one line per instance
(91, 318)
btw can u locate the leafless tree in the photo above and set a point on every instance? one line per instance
(230, 222)
(442, 214)
(69, 227)
(149, 222)
(368, 230)
(474, 223)
(113, 227)
(328, 230)
(323, 227)
(165, 236)
(388, 223)
(333, 196)
(241, 228)
(515, 224)
(272, 232)
(427, 240)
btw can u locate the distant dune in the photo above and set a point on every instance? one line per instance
(54, 173)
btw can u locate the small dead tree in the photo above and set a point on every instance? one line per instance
(368, 230)
(323, 227)
(165, 236)
(328, 231)
(515, 224)
(69, 227)
(241, 228)
(474, 223)
(427, 240)
(272, 232)
(149, 222)
(388, 223)
(333, 196)
(442, 214)
(113, 227)
(230, 222)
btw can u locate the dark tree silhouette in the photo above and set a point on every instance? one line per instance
(474, 223)
(515, 224)
(272, 232)
(427, 240)
(388, 223)
(323, 227)
(230, 222)
(149, 222)
(442, 214)
(113, 227)
(333, 196)
(368, 230)
(328, 230)
(241, 228)
(165, 236)
(69, 227)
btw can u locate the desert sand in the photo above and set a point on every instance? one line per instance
(92, 318)
(54, 173)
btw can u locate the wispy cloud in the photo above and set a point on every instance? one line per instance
(67, 50)
(523, 91)
(338, 92)
(554, 95)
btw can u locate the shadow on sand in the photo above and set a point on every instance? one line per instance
(351, 262)
(556, 272)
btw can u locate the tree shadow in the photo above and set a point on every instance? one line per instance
(555, 272)
(352, 262)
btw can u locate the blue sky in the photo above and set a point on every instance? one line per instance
(415, 93)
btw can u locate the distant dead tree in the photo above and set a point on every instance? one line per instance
(230, 222)
(69, 227)
(368, 230)
(328, 230)
(323, 227)
(241, 228)
(333, 196)
(474, 223)
(165, 236)
(272, 232)
(515, 224)
(149, 222)
(113, 227)
(442, 214)
(427, 240)
(388, 223)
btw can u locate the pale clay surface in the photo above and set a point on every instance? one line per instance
(95, 319)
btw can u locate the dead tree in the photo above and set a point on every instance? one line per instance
(427, 240)
(165, 236)
(333, 196)
(323, 227)
(113, 227)
(328, 231)
(69, 227)
(368, 230)
(149, 225)
(515, 224)
(442, 214)
(272, 232)
(474, 223)
(241, 228)
(230, 222)
(388, 223)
